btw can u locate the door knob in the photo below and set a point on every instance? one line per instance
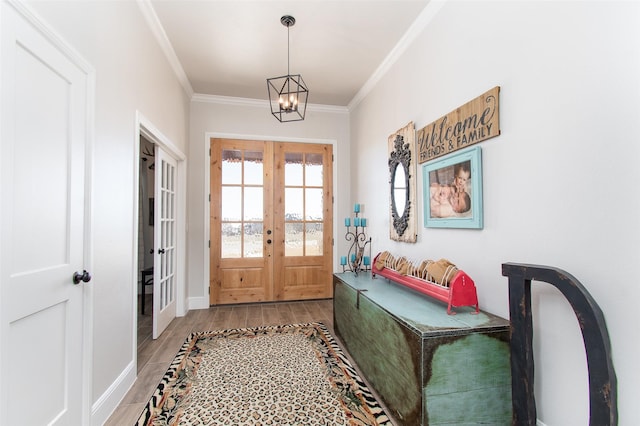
(269, 241)
(83, 276)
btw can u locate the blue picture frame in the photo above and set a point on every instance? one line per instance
(452, 190)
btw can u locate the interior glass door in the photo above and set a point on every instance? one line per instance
(164, 271)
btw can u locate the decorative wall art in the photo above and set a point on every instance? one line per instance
(452, 189)
(402, 185)
(473, 122)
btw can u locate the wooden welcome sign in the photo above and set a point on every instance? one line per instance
(473, 122)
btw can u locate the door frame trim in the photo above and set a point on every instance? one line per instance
(203, 302)
(145, 127)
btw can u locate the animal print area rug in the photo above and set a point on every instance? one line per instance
(277, 375)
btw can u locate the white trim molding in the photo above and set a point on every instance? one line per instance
(425, 17)
(261, 103)
(158, 31)
(107, 403)
(416, 28)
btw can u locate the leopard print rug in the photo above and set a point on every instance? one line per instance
(277, 375)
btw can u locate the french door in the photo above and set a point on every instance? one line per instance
(164, 271)
(271, 221)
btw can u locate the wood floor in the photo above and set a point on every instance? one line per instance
(154, 356)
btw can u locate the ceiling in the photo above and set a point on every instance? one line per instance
(230, 47)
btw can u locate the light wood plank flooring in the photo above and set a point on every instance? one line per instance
(154, 356)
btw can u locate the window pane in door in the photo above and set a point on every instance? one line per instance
(313, 170)
(293, 239)
(231, 167)
(231, 203)
(293, 204)
(253, 170)
(253, 239)
(293, 169)
(313, 239)
(231, 240)
(313, 204)
(253, 199)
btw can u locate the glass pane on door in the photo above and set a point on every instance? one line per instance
(253, 168)
(242, 196)
(313, 239)
(313, 204)
(253, 239)
(294, 239)
(293, 169)
(232, 167)
(293, 204)
(313, 170)
(303, 204)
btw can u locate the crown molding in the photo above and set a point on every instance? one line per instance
(415, 29)
(261, 103)
(158, 31)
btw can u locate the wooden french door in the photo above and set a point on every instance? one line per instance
(271, 221)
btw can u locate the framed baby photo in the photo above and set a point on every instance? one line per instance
(452, 187)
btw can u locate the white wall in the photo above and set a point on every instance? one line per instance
(559, 182)
(250, 120)
(132, 75)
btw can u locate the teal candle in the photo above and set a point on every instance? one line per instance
(356, 221)
(363, 222)
(347, 222)
(366, 260)
(343, 260)
(356, 208)
(353, 257)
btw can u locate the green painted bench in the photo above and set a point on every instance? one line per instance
(429, 368)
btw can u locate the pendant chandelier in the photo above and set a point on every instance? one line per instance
(288, 93)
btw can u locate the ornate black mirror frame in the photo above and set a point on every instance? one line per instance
(401, 148)
(400, 156)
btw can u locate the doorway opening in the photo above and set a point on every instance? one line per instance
(159, 237)
(146, 203)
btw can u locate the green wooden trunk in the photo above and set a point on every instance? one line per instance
(428, 367)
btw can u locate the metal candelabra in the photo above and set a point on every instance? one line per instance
(356, 261)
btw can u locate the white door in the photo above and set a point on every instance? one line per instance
(164, 270)
(43, 223)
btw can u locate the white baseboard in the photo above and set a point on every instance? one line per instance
(198, 302)
(104, 407)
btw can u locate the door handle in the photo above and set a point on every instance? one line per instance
(83, 276)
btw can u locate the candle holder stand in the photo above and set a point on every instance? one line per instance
(356, 261)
